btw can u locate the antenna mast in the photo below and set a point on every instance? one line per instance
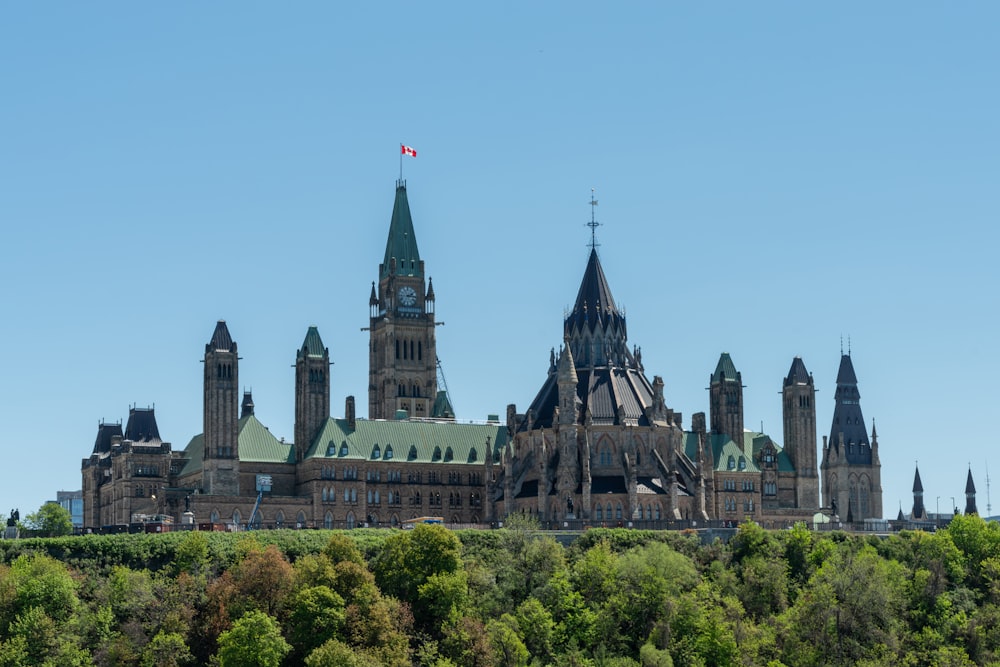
(989, 508)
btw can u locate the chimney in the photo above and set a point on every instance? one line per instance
(349, 412)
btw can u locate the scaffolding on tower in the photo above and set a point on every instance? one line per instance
(443, 408)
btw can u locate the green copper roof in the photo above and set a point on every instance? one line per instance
(402, 242)
(408, 441)
(745, 455)
(312, 346)
(725, 370)
(255, 444)
(442, 406)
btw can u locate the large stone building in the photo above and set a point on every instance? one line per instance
(597, 445)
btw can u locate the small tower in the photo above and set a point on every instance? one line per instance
(918, 513)
(221, 462)
(970, 494)
(726, 399)
(312, 391)
(246, 407)
(799, 413)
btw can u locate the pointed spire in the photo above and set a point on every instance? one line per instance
(373, 299)
(970, 486)
(430, 290)
(725, 370)
(846, 373)
(401, 245)
(221, 340)
(567, 369)
(594, 289)
(918, 486)
(798, 374)
(900, 517)
(312, 346)
(848, 421)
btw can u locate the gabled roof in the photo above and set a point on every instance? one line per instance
(798, 374)
(312, 346)
(255, 444)
(221, 340)
(408, 441)
(725, 370)
(402, 242)
(141, 426)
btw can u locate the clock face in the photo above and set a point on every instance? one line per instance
(407, 296)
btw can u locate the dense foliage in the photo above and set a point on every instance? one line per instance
(515, 596)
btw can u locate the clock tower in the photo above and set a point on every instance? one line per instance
(402, 358)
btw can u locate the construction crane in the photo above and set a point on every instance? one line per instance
(442, 383)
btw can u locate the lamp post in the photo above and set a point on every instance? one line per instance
(953, 508)
(937, 510)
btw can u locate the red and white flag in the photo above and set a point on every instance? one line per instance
(407, 150)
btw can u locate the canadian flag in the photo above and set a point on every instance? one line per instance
(406, 150)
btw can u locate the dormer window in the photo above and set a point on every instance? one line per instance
(376, 452)
(731, 464)
(343, 448)
(388, 452)
(743, 463)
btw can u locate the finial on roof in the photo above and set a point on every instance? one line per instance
(593, 224)
(848, 344)
(841, 344)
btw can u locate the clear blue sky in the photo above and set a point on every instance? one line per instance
(771, 176)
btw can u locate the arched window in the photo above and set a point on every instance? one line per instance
(350, 520)
(649, 512)
(369, 496)
(326, 494)
(731, 463)
(388, 452)
(343, 448)
(608, 511)
(214, 516)
(377, 497)
(657, 511)
(237, 517)
(328, 520)
(618, 511)
(279, 519)
(599, 512)
(300, 519)
(354, 495)
(376, 452)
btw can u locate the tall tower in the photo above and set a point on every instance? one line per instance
(726, 399)
(402, 353)
(852, 472)
(221, 463)
(799, 412)
(312, 391)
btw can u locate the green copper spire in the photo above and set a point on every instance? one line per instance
(402, 242)
(312, 346)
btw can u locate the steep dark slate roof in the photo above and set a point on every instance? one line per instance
(918, 486)
(612, 395)
(970, 486)
(798, 374)
(402, 242)
(312, 346)
(595, 311)
(221, 340)
(141, 426)
(848, 422)
(104, 434)
(846, 373)
(725, 370)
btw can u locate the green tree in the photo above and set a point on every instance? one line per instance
(36, 581)
(254, 641)
(317, 614)
(336, 653)
(167, 649)
(51, 520)
(507, 646)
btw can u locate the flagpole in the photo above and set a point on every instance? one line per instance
(400, 161)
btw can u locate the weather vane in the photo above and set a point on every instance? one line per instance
(593, 224)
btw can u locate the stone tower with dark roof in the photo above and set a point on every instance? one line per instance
(799, 416)
(402, 351)
(726, 399)
(221, 465)
(852, 473)
(918, 513)
(970, 495)
(312, 391)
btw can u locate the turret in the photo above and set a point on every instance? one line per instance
(220, 469)
(918, 513)
(726, 399)
(799, 416)
(970, 494)
(312, 391)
